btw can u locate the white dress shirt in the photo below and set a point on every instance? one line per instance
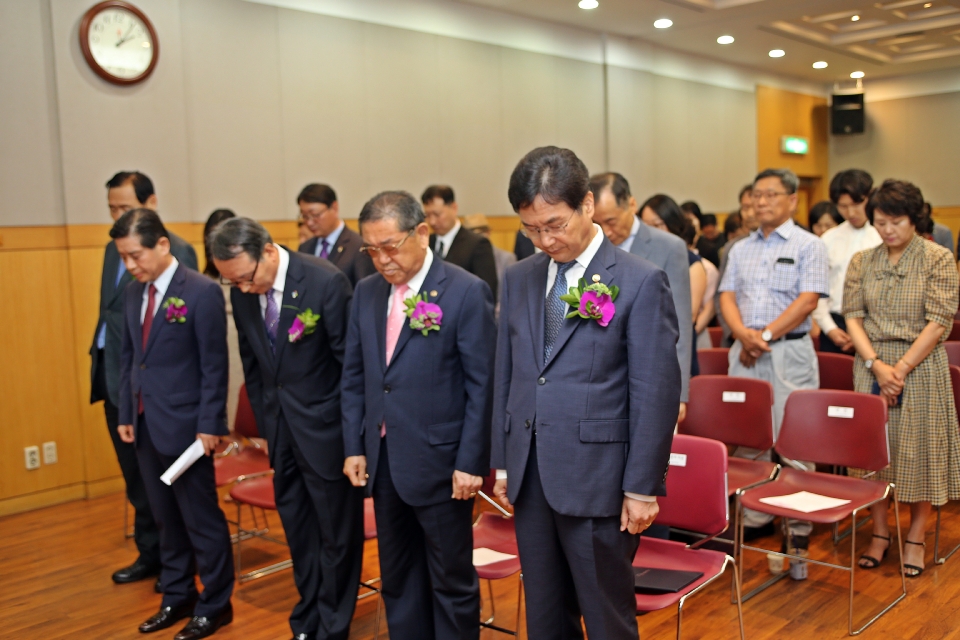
(331, 240)
(573, 276)
(415, 282)
(627, 244)
(278, 282)
(162, 283)
(447, 239)
(842, 243)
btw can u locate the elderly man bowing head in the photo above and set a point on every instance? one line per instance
(416, 397)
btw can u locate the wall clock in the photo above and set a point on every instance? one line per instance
(119, 42)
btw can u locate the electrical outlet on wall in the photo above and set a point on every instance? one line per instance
(49, 453)
(31, 457)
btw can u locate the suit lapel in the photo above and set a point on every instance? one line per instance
(536, 297)
(159, 318)
(134, 300)
(339, 249)
(433, 282)
(604, 259)
(247, 307)
(639, 246)
(380, 320)
(290, 306)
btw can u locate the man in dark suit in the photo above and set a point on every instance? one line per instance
(293, 381)
(584, 407)
(332, 240)
(125, 191)
(416, 396)
(452, 241)
(173, 393)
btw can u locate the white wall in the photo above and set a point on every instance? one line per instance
(251, 101)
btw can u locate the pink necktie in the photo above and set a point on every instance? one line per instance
(394, 326)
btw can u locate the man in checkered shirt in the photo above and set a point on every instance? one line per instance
(773, 281)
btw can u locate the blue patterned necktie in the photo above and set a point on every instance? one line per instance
(554, 309)
(271, 318)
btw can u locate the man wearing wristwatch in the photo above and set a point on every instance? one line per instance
(773, 281)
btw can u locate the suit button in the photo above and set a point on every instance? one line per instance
(386, 388)
(143, 366)
(527, 424)
(542, 381)
(279, 386)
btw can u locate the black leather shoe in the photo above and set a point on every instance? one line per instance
(305, 636)
(167, 617)
(753, 533)
(157, 586)
(135, 572)
(201, 626)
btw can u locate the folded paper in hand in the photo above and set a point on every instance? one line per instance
(483, 556)
(804, 501)
(193, 453)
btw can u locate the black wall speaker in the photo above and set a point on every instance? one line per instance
(847, 114)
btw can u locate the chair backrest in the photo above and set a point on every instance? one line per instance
(955, 379)
(836, 371)
(955, 333)
(737, 411)
(245, 423)
(696, 497)
(953, 352)
(713, 362)
(841, 428)
(716, 336)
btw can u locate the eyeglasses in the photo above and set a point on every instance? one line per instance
(757, 196)
(237, 283)
(314, 216)
(553, 231)
(388, 249)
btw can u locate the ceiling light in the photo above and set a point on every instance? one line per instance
(928, 5)
(588, 4)
(663, 23)
(725, 40)
(776, 53)
(854, 18)
(820, 65)
(856, 75)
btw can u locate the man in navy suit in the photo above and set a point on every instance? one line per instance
(173, 392)
(584, 407)
(416, 397)
(292, 372)
(332, 239)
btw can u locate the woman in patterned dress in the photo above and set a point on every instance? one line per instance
(899, 300)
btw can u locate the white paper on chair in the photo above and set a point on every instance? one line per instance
(804, 502)
(483, 556)
(193, 453)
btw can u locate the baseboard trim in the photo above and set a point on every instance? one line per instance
(41, 499)
(105, 486)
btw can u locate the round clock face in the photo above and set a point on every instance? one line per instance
(118, 42)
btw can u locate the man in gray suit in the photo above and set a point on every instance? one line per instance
(126, 190)
(616, 213)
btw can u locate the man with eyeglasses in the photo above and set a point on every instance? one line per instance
(773, 282)
(333, 240)
(416, 394)
(291, 315)
(584, 406)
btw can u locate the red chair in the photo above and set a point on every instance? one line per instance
(955, 333)
(257, 493)
(716, 336)
(713, 362)
(737, 412)
(955, 379)
(696, 501)
(244, 456)
(495, 531)
(836, 371)
(839, 428)
(953, 352)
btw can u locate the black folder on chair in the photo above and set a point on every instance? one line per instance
(656, 581)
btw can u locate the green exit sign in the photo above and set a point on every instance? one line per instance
(794, 144)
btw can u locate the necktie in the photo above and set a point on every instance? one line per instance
(145, 332)
(554, 309)
(394, 327)
(440, 248)
(271, 318)
(324, 249)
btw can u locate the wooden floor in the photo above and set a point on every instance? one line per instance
(55, 567)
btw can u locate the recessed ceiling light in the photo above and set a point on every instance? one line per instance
(725, 40)
(663, 23)
(854, 18)
(856, 75)
(820, 65)
(928, 5)
(777, 53)
(588, 4)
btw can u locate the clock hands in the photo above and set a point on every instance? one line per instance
(126, 36)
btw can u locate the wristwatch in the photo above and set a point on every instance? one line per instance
(766, 336)
(869, 363)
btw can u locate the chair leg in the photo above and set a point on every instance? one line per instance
(127, 533)
(736, 582)
(239, 561)
(936, 543)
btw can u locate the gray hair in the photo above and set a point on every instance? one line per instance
(788, 178)
(396, 205)
(232, 237)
